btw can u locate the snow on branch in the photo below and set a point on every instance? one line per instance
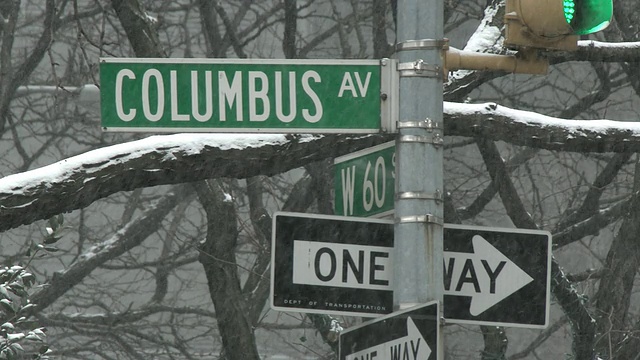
(119, 318)
(590, 50)
(130, 236)
(527, 128)
(78, 181)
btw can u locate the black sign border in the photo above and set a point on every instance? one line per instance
(531, 303)
(288, 226)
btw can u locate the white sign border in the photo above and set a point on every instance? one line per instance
(389, 91)
(548, 280)
(363, 152)
(400, 312)
(240, 61)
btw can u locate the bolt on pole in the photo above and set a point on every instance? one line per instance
(419, 213)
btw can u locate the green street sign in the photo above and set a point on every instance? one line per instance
(364, 182)
(248, 96)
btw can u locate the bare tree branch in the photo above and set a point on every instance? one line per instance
(592, 225)
(210, 29)
(591, 50)
(290, 29)
(591, 202)
(217, 256)
(11, 78)
(139, 28)
(59, 188)
(130, 236)
(571, 302)
(495, 122)
(145, 164)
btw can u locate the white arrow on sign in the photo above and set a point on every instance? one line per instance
(410, 347)
(486, 275)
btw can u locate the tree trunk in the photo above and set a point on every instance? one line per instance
(614, 293)
(217, 256)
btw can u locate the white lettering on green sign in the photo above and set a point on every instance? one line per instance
(365, 181)
(347, 84)
(214, 95)
(229, 94)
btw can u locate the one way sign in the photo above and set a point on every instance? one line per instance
(344, 265)
(331, 264)
(411, 334)
(476, 274)
(485, 267)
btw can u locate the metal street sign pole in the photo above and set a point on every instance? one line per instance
(418, 278)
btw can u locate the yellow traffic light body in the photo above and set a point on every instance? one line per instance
(554, 24)
(532, 25)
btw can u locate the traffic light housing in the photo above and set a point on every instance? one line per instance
(554, 24)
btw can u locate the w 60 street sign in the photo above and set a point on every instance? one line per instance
(213, 95)
(365, 181)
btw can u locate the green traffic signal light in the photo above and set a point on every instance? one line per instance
(569, 10)
(587, 16)
(554, 24)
